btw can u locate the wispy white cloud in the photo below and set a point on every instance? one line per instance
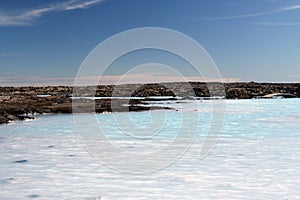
(294, 7)
(257, 14)
(278, 23)
(283, 9)
(75, 5)
(246, 15)
(27, 17)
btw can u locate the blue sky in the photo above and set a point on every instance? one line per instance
(46, 41)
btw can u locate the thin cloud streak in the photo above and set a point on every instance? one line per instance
(278, 23)
(280, 10)
(28, 17)
(86, 4)
(294, 7)
(246, 15)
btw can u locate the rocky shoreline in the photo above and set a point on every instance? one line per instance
(19, 103)
(26, 107)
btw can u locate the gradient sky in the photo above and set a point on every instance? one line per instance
(249, 40)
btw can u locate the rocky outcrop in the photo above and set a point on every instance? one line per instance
(19, 103)
(298, 91)
(199, 89)
(252, 89)
(152, 90)
(21, 107)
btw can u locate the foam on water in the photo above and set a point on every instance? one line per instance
(257, 157)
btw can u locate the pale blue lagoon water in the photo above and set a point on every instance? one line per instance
(257, 156)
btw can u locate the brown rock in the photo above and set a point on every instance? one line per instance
(3, 120)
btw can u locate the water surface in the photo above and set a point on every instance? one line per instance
(257, 156)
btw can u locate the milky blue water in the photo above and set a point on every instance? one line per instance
(257, 155)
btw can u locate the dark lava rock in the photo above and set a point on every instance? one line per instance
(298, 91)
(237, 93)
(21, 161)
(3, 120)
(33, 196)
(23, 117)
(152, 90)
(18, 103)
